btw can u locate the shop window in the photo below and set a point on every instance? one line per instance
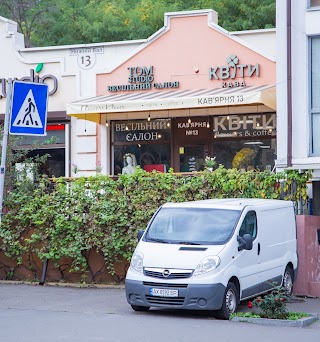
(246, 141)
(52, 145)
(55, 163)
(148, 156)
(246, 154)
(315, 98)
(148, 141)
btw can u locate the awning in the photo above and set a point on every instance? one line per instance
(91, 108)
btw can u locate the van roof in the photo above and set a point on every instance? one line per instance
(232, 203)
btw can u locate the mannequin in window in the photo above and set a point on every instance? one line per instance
(130, 163)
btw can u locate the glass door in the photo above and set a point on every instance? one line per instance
(191, 158)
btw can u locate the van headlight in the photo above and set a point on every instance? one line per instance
(207, 264)
(137, 262)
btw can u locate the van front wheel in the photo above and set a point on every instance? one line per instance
(229, 304)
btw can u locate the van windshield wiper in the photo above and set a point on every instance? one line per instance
(157, 240)
(188, 243)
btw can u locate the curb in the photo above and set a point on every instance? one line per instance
(72, 285)
(299, 323)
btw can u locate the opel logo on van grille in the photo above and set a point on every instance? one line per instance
(166, 273)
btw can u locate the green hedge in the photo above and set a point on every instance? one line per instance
(99, 213)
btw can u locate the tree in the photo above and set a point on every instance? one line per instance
(92, 21)
(28, 14)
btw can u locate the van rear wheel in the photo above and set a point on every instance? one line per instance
(287, 282)
(230, 302)
(140, 308)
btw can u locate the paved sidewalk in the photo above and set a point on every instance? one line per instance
(309, 305)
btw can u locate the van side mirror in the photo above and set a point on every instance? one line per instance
(140, 233)
(245, 242)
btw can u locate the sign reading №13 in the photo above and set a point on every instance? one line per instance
(29, 109)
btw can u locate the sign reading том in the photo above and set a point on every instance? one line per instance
(142, 78)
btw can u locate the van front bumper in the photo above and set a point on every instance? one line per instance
(190, 296)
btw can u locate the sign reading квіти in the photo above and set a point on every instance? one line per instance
(232, 71)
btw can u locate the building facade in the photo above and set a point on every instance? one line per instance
(190, 90)
(70, 72)
(298, 96)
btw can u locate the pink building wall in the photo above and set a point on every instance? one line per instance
(190, 42)
(308, 281)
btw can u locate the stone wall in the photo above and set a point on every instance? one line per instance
(308, 280)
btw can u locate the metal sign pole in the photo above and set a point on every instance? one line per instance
(5, 143)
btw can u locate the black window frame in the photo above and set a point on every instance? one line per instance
(246, 229)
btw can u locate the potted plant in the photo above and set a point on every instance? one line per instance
(210, 162)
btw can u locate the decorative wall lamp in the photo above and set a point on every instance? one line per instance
(189, 120)
(168, 122)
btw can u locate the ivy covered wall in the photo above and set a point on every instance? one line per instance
(87, 227)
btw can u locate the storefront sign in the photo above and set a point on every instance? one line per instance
(34, 79)
(167, 103)
(221, 100)
(141, 131)
(58, 127)
(255, 125)
(142, 78)
(232, 71)
(191, 129)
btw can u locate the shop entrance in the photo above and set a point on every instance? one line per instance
(191, 143)
(191, 158)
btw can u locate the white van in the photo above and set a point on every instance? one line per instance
(211, 254)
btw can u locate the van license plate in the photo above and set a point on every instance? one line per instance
(164, 292)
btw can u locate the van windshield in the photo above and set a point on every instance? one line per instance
(193, 226)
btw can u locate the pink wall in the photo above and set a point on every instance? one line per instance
(190, 43)
(308, 281)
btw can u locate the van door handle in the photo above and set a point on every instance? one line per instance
(258, 248)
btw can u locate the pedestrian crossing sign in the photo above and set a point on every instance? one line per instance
(29, 108)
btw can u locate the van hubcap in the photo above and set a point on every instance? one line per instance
(287, 282)
(231, 301)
